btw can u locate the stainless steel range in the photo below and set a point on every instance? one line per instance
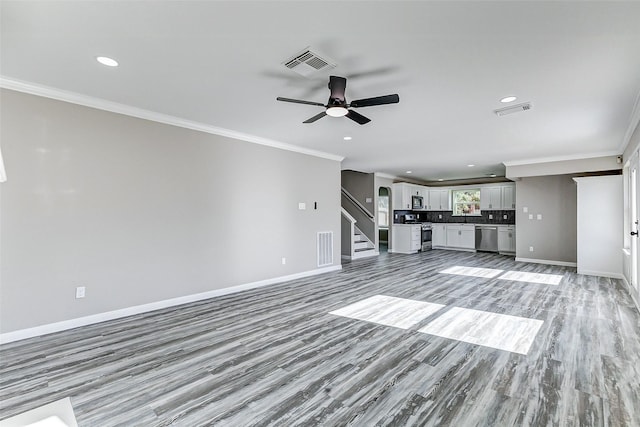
(427, 229)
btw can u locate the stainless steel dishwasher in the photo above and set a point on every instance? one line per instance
(487, 238)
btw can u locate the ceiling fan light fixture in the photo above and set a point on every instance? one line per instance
(337, 111)
(105, 60)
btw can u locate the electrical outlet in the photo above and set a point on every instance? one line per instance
(302, 206)
(490, 216)
(539, 217)
(504, 217)
(439, 216)
(80, 290)
(530, 248)
(530, 216)
(284, 260)
(525, 209)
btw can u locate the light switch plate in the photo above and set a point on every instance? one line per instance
(530, 216)
(525, 209)
(302, 206)
(539, 217)
(368, 200)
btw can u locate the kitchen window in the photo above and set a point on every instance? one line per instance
(466, 202)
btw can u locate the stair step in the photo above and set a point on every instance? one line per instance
(361, 245)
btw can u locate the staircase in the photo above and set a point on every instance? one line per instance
(355, 244)
(362, 246)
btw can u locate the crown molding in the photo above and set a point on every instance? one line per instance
(634, 122)
(114, 107)
(386, 175)
(560, 158)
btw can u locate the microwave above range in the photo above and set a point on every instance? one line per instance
(417, 202)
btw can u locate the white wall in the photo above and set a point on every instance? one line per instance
(599, 225)
(139, 211)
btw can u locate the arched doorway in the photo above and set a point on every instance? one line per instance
(384, 218)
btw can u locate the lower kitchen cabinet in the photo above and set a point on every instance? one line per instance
(406, 238)
(461, 236)
(439, 235)
(506, 239)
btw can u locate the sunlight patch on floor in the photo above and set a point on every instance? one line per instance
(389, 311)
(523, 276)
(473, 271)
(55, 414)
(490, 273)
(500, 331)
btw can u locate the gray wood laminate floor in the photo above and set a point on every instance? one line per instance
(275, 356)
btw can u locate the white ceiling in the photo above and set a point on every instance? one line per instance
(219, 63)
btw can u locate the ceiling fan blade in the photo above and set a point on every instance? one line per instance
(316, 117)
(298, 101)
(378, 100)
(357, 117)
(337, 86)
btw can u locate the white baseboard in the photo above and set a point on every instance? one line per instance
(601, 274)
(144, 308)
(547, 261)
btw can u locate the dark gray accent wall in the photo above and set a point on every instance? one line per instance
(138, 212)
(361, 186)
(554, 237)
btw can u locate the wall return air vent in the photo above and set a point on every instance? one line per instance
(308, 62)
(513, 109)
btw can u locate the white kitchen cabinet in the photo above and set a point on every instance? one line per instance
(439, 200)
(406, 238)
(401, 196)
(462, 236)
(509, 197)
(491, 198)
(403, 193)
(506, 239)
(439, 235)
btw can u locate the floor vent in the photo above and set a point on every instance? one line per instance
(307, 63)
(325, 248)
(513, 109)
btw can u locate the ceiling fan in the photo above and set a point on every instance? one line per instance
(337, 105)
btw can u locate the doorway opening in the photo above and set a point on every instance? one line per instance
(384, 218)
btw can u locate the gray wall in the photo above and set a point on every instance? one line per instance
(554, 237)
(140, 212)
(361, 186)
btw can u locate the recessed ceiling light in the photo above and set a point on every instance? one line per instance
(440, 179)
(470, 166)
(409, 172)
(493, 175)
(105, 60)
(508, 99)
(347, 138)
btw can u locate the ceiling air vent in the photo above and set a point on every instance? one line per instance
(513, 109)
(307, 63)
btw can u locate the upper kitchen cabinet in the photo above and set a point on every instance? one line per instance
(439, 200)
(403, 194)
(491, 198)
(498, 197)
(509, 196)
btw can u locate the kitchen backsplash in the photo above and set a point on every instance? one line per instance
(434, 216)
